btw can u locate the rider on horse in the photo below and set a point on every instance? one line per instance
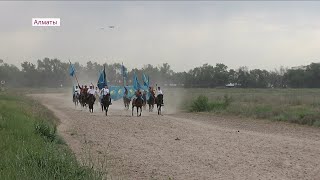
(83, 90)
(151, 93)
(125, 92)
(144, 96)
(139, 95)
(76, 92)
(160, 95)
(91, 92)
(105, 91)
(97, 94)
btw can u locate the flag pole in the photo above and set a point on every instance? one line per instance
(75, 75)
(124, 83)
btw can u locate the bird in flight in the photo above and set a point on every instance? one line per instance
(104, 28)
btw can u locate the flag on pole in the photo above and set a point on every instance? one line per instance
(131, 91)
(71, 70)
(102, 81)
(136, 84)
(145, 80)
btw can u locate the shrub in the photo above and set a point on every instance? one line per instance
(46, 131)
(202, 104)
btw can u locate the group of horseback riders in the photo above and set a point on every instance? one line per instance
(84, 93)
(87, 96)
(141, 94)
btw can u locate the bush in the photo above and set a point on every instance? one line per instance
(202, 104)
(46, 131)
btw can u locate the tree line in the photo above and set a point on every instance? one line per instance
(54, 73)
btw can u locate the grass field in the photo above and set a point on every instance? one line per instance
(300, 106)
(29, 145)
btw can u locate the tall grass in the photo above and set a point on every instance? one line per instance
(202, 103)
(30, 147)
(301, 106)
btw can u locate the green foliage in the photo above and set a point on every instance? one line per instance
(202, 104)
(300, 106)
(53, 73)
(46, 131)
(30, 147)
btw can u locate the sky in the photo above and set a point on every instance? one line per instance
(185, 34)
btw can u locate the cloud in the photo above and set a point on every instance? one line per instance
(185, 34)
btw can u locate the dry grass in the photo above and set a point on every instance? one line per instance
(292, 105)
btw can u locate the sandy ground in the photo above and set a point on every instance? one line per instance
(186, 146)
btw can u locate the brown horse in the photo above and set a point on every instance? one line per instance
(91, 100)
(126, 102)
(126, 99)
(137, 102)
(83, 99)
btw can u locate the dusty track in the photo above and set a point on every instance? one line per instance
(187, 146)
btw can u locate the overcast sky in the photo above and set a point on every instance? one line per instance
(184, 34)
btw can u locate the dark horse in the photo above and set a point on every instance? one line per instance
(91, 99)
(137, 102)
(126, 102)
(105, 103)
(151, 101)
(75, 99)
(126, 99)
(159, 101)
(83, 99)
(144, 97)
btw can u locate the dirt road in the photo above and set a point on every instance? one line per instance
(186, 146)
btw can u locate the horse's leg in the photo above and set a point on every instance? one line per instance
(132, 109)
(140, 111)
(107, 107)
(137, 111)
(158, 109)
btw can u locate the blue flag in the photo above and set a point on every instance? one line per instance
(145, 80)
(71, 70)
(116, 92)
(102, 81)
(136, 84)
(131, 91)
